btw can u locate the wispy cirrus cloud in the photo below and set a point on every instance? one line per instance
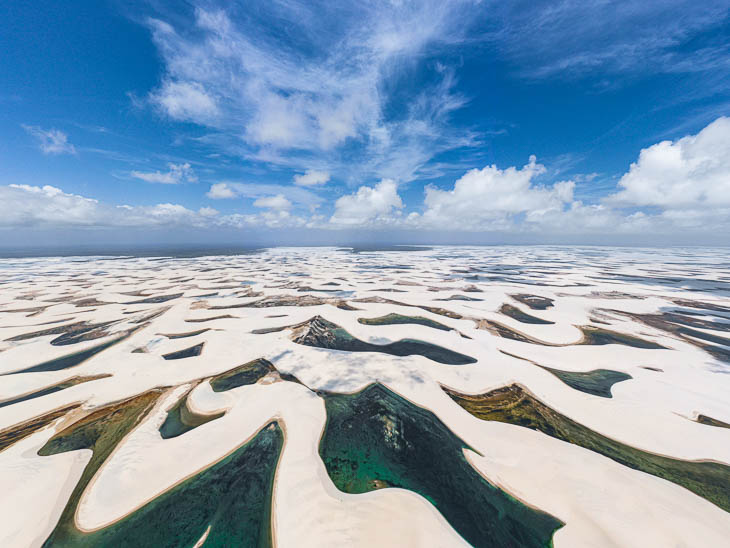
(318, 96)
(176, 174)
(605, 38)
(51, 141)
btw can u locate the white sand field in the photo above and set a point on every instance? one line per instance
(601, 501)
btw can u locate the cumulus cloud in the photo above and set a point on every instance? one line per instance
(26, 205)
(278, 202)
(177, 173)
(221, 191)
(689, 173)
(682, 186)
(686, 183)
(51, 207)
(490, 198)
(369, 205)
(51, 141)
(312, 177)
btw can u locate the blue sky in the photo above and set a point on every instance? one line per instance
(318, 122)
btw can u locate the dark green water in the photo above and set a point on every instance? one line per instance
(376, 439)
(17, 432)
(200, 320)
(233, 497)
(522, 317)
(180, 419)
(100, 431)
(395, 319)
(597, 382)
(68, 361)
(514, 405)
(600, 336)
(322, 333)
(535, 302)
(709, 421)
(592, 336)
(157, 300)
(248, 373)
(681, 325)
(185, 353)
(185, 335)
(70, 333)
(52, 389)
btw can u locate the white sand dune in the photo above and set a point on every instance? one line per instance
(601, 502)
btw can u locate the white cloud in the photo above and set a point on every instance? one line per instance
(683, 187)
(51, 141)
(26, 205)
(268, 219)
(490, 198)
(692, 172)
(168, 213)
(281, 103)
(295, 195)
(686, 183)
(49, 207)
(220, 191)
(281, 121)
(278, 202)
(185, 101)
(568, 38)
(369, 205)
(312, 177)
(177, 173)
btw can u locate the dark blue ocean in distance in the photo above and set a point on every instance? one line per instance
(123, 251)
(170, 251)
